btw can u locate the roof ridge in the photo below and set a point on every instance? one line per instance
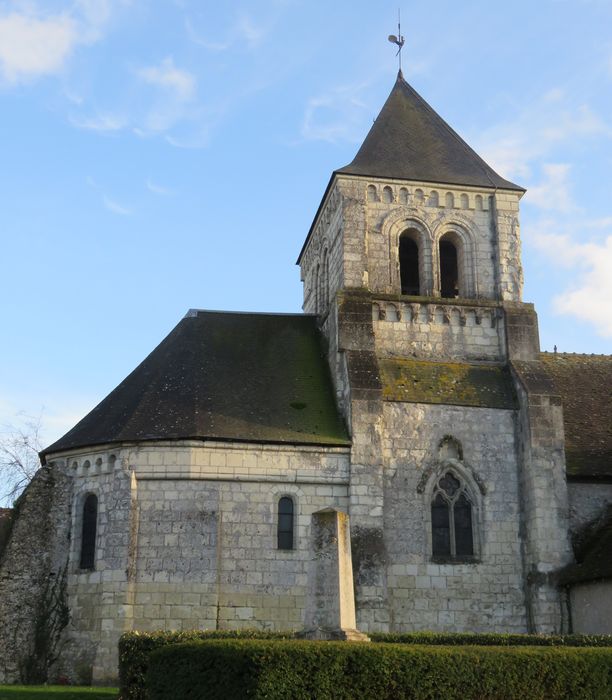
(553, 354)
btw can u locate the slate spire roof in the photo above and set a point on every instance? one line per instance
(410, 141)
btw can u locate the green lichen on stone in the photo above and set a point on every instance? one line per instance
(454, 383)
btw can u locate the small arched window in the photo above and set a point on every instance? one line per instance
(387, 195)
(285, 523)
(88, 532)
(450, 200)
(452, 535)
(409, 264)
(372, 194)
(449, 270)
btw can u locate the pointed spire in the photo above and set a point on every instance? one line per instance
(410, 141)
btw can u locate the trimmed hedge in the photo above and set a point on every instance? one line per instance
(303, 670)
(135, 647)
(491, 639)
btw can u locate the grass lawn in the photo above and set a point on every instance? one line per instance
(58, 692)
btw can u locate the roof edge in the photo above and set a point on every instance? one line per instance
(43, 454)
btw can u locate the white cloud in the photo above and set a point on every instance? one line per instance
(31, 47)
(512, 148)
(589, 293)
(168, 77)
(553, 192)
(174, 98)
(158, 189)
(36, 43)
(245, 32)
(110, 203)
(338, 115)
(114, 206)
(103, 122)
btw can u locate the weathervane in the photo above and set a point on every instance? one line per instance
(399, 40)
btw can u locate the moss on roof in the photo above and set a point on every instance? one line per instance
(584, 383)
(454, 383)
(225, 376)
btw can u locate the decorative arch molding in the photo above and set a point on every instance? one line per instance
(461, 232)
(393, 226)
(433, 472)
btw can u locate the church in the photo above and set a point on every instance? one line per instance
(411, 395)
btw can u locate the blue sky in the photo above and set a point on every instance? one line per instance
(161, 155)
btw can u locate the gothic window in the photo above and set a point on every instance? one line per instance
(409, 264)
(88, 532)
(285, 523)
(452, 534)
(449, 270)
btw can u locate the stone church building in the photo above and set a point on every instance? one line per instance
(411, 395)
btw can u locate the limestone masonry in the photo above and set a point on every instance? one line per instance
(408, 411)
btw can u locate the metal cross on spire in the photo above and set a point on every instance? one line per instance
(399, 40)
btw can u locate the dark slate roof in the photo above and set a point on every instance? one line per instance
(454, 383)
(592, 548)
(584, 383)
(224, 376)
(410, 141)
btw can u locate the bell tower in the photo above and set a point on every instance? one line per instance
(413, 266)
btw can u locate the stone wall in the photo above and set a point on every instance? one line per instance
(448, 331)
(544, 498)
(32, 580)
(360, 222)
(187, 539)
(486, 594)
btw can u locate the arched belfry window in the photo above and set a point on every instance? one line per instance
(285, 523)
(88, 532)
(409, 264)
(449, 269)
(452, 533)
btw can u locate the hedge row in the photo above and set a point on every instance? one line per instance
(491, 639)
(304, 670)
(135, 647)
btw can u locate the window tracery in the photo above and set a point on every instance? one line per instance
(452, 521)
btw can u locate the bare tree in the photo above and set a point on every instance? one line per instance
(19, 448)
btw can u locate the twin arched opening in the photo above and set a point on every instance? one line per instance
(449, 278)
